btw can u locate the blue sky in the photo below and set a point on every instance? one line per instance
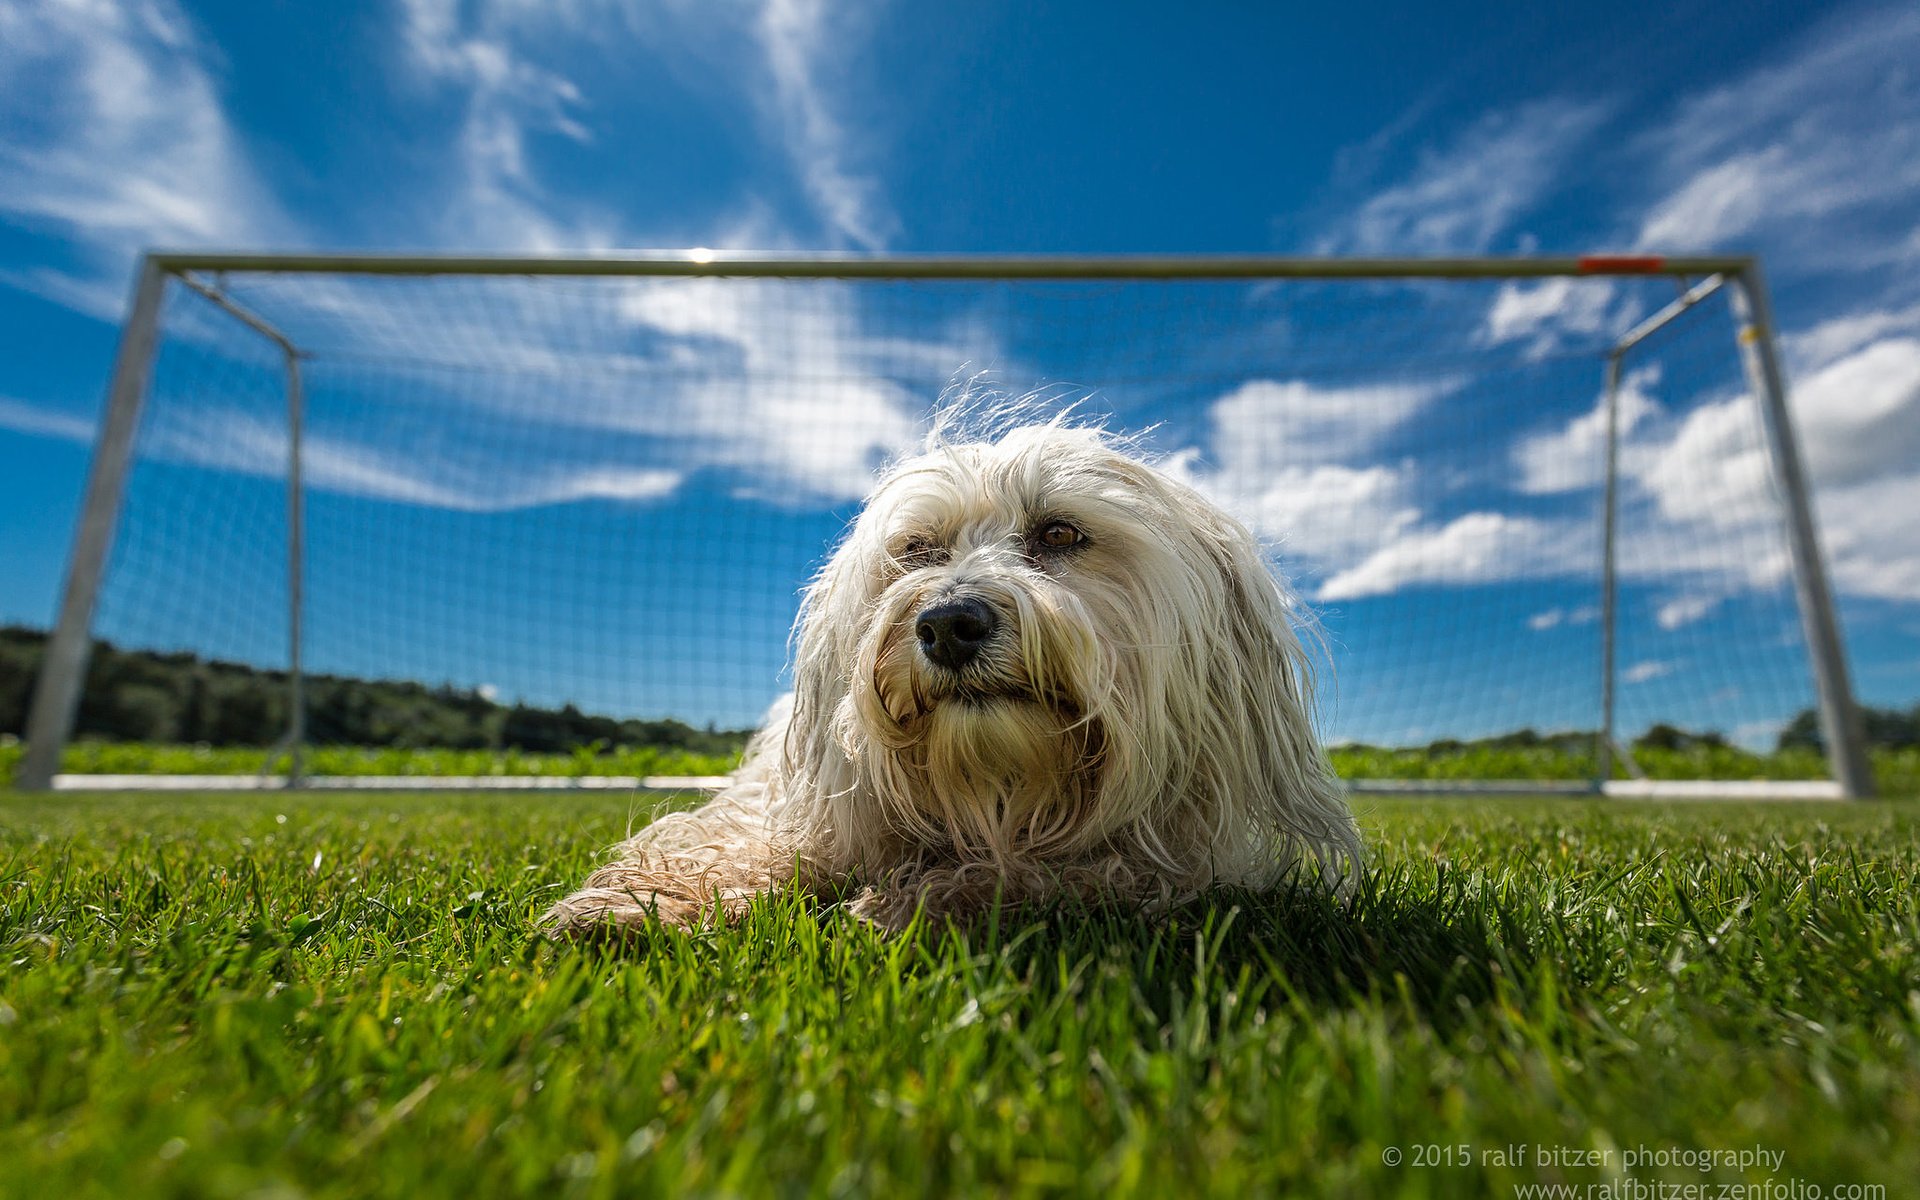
(1406, 500)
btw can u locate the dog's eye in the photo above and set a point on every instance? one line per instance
(917, 552)
(1058, 535)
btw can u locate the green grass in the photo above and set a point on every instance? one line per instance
(1898, 771)
(340, 996)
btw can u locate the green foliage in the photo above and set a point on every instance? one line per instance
(138, 758)
(342, 996)
(1883, 727)
(1666, 753)
(145, 696)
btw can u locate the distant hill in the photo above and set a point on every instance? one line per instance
(146, 696)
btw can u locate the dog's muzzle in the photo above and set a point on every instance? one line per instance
(952, 632)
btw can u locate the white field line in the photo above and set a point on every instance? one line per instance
(392, 783)
(1724, 789)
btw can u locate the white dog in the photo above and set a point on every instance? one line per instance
(1037, 667)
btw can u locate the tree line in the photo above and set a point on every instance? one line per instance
(149, 696)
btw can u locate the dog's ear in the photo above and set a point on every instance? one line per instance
(824, 638)
(1261, 686)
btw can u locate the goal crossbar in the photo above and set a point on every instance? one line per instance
(700, 262)
(57, 691)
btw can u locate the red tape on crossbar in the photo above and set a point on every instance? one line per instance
(1622, 264)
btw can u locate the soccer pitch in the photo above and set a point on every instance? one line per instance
(239, 995)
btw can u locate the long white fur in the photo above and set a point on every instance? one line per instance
(1138, 730)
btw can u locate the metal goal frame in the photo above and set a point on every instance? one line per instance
(57, 691)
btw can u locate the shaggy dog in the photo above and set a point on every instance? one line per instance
(1037, 668)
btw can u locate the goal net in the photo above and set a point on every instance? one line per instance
(566, 511)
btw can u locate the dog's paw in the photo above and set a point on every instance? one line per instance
(597, 913)
(888, 909)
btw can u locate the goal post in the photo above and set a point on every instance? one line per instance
(1433, 527)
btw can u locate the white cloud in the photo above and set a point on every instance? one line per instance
(225, 438)
(1643, 672)
(1721, 202)
(18, 416)
(1551, 618)
(501, 203)
(450, 476)
(1685, 610)
(1859, 424)
(797, 37)
(1326, 513)
(1554, 313)
(1819, 151)
(792, 392)
(1872, 538)
(1574, 457)
(95, 295)
(1306, 466)
(784, 59)
(1814, 156)
(1713, 469)
(113, 137)
(1521, 309)
(788, 389)
(1265, 423)
(1302, 464)
(1835, 337)
(1861, 414)
(1474, 548)
(1463, 197)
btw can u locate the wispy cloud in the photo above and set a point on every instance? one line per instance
(798, 38)
(1555, 617)
(507, 98)
(788, 60)
(1466, 195)
(113, 138)
(1835, 337)
(796, 389)
(17, 416)
(1818, 150)
(525, 394)
(229, 439)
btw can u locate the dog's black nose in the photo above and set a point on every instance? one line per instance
(952, 633)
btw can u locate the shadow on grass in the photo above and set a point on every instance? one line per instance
(1440, 946)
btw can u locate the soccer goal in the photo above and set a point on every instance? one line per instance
(1546, 516)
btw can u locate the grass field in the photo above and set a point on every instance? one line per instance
(281, 995)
